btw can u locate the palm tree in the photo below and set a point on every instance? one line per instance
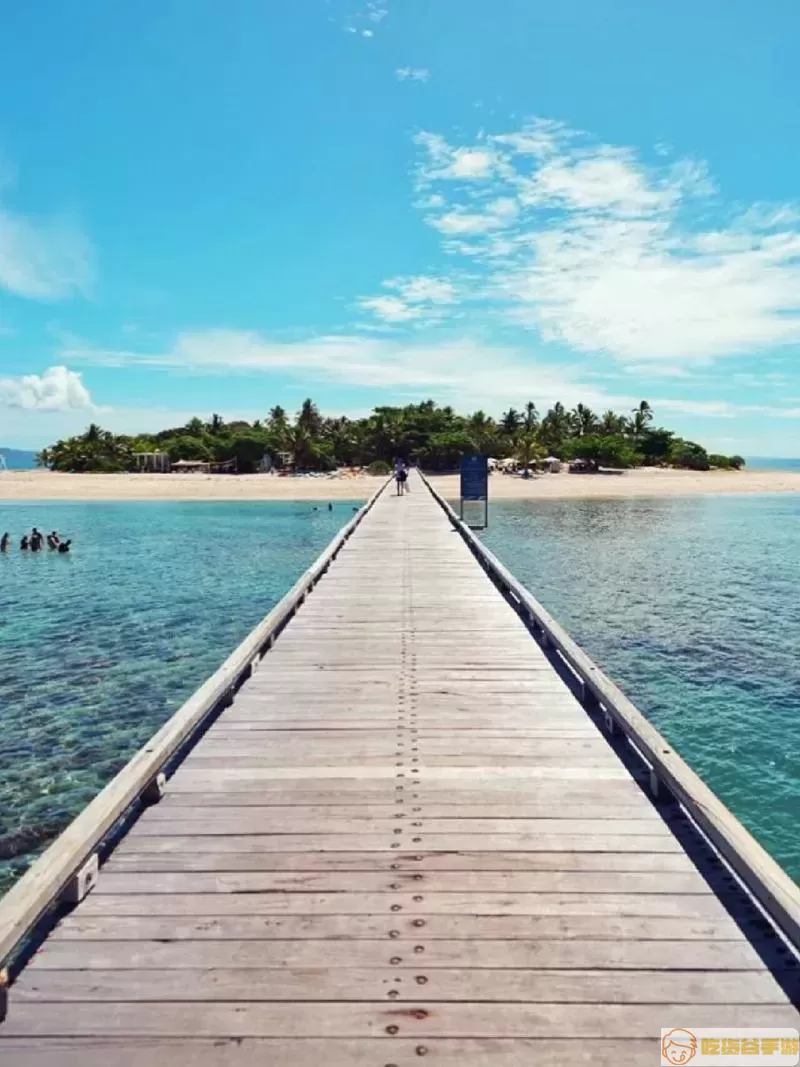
(483, 431)
(93, 433)
(642, 417)
(527, 447)
(612, 424)
(300, 443)
(510, 421)
(556, 427)
(531, 420)
(309, 417)
(216, 424)
(584, 420)
(389, 434)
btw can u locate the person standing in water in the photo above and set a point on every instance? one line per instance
(24, 543)
(4, 542)
(64, 547)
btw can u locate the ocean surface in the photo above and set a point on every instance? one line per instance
(99, 647)
(17, 460)
(690, 604)
(761, 463)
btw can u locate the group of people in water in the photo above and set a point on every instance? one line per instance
(34, 542)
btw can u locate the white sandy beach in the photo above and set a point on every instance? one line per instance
(46, 485)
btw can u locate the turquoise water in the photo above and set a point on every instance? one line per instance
(761, 463)
(99, 647)
(693, 607)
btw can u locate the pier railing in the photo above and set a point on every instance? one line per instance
(765, 879)
(68, 869)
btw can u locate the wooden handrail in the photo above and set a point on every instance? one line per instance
(765, 879)
(31, 897)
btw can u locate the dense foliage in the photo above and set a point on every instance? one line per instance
(435, 437)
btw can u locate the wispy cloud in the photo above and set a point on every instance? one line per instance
(442, 161)
(412, 74)
(46, 258)
(462, 371)
(367, 19)
(57, 389)
(417, 298)
(390, 308)
(589, 247)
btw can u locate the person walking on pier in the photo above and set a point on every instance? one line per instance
(400, 476)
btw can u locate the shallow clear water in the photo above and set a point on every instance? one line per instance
(693, 607)
(99, 647)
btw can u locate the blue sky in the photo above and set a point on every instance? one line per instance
(210, 206)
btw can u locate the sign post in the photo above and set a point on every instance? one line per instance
(475, 487)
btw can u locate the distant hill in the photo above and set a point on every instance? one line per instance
(17, 460)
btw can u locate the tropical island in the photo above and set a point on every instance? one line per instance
(426, 434)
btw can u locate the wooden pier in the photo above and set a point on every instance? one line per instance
(407, 819)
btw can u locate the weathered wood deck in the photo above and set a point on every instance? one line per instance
(406, 837)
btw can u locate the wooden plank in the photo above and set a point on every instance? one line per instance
(690, 906)
(334, 1052)
(243, 821)
(227, 777)
(392, 882)
(471, 863)
(141, 839)
(299, 1019)
(370, 808)
(349, 929)
(335, 762)
(685, 955)
(344, 984)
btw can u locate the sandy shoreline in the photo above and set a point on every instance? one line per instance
(46, 485)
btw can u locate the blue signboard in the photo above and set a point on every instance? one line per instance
(474, 478)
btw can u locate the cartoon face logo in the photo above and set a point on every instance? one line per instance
(678, 1046)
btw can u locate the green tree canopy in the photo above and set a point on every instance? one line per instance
(436, 437)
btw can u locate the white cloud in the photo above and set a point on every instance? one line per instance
(589, 247)
(423, 289)
(46, 259)
(416, 299)
(367, 33)
(412, 74)
(462, 372)
(57, 389)
(390, 308)
(499, 213)
(444, 161)
(377, 15)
